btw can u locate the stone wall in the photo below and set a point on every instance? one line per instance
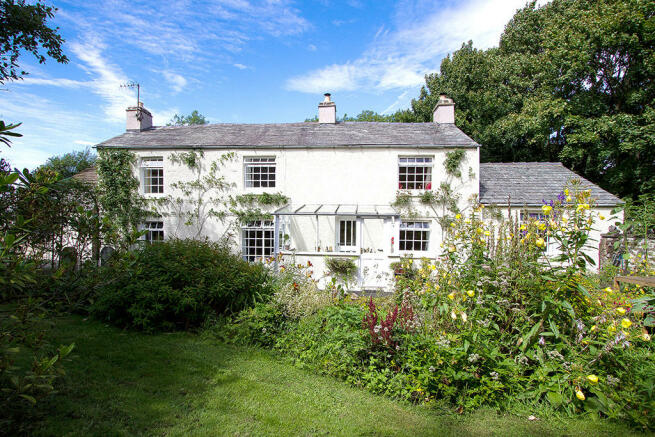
(612, 247)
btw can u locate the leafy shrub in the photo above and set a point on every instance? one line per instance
(258, 326)
(296, 291)
(330, 341)
(341, 268)
(177, 284)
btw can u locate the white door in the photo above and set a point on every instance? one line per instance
(374, 271)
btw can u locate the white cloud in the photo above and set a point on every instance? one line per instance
(62, 83)
(311, 48)
(106, 78)
(178, 82)
(422, 36)
(84, 143)
(400, 102)
(240, 66)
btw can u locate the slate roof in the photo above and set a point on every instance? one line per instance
(89, 176)
(295, 135)
(529, 182)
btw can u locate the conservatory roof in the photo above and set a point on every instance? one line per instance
(337, 209)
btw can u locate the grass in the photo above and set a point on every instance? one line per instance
(126, 383)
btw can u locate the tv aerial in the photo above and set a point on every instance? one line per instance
(132, 84)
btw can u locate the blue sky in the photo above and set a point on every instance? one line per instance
(235, 61)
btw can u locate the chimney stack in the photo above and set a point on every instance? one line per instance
(327, 110)
(138, 118)
(444, 110)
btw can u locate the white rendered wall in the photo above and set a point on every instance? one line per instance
(600, 226)
(354, 176)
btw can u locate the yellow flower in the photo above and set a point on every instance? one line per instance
(566, 191)
(471, 293)
(611, 328)
(522, 227)
(565, 220)
(626, 323)
(458, 217)
(464, 317)
(608, 290)
(593, 379)
(487, 233)
(452, 248)
(541, 226)
(436, 288)
(601, 216)
(580, 395)
(540, 242)
(593, 328)
(645, 336)
(452, 225)
(620, 310)
(581, 207)
(410, 261)
(479, 231)
(467, 221)
(451, 296)
(568, 198)
(547, 209)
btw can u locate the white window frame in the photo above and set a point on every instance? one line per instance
(414, 226)
(264, 243)
(149, 166)
(417, 162)
(255, 165)
(154, 227)
(353, 234)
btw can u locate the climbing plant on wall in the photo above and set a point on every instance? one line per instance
(248, 207)
(199, 197)
(124, 209)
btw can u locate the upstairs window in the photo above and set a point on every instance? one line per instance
(415, 173)
(152, 171)
(347, 235)
(414, 236)
(154, 231)
(259, 172)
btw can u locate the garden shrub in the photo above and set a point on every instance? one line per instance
(177, 284)
(259, 325)
(296, 291)
(490, 322)
(330, 341)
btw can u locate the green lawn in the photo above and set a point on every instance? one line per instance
(125, 383)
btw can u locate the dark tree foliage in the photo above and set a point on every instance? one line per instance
(71, 163)
(570, 81)
(24, 28)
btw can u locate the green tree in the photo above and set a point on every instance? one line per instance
(570, 81)
(71, 163)
(400, 116)
(24, 28)
(195, 118)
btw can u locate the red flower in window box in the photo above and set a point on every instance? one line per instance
(428, 186)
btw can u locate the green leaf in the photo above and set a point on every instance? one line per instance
(29, 398)
(529, 335)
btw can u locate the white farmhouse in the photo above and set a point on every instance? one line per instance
(342, 180)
